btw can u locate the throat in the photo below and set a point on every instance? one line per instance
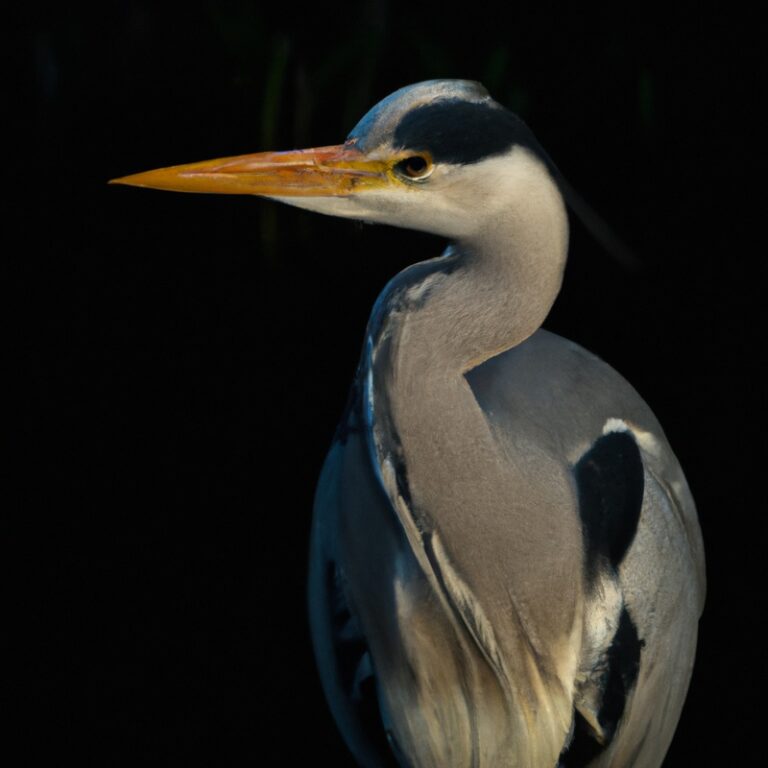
(489, 293)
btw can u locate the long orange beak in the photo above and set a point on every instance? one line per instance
(335, 171)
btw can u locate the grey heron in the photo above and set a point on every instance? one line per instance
(506, 564)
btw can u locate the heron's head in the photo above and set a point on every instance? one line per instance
(440, 156)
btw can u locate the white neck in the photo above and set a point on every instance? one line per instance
(511, 268)
(440, 320)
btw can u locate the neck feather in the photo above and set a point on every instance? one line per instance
(503, 278)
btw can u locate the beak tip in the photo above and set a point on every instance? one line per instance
(123, 180)
(140, 180)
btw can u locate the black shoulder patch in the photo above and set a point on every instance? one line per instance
(610, 485)
(456, 131)
(623, 663)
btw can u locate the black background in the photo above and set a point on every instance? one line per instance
(182, 360)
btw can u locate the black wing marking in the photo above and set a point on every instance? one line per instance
(610, 484)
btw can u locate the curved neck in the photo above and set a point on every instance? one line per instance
(503, 280)
(446, 475)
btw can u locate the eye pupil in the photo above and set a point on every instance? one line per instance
(414, 167)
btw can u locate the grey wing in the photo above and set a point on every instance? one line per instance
(663, 585)
(369, 601)
(644, 558)
(342, 652)
(643, 601)
(396, 663)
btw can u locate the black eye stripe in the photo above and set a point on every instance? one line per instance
(456, 131)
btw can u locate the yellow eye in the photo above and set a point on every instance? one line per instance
(415, 167)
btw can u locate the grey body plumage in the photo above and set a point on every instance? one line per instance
(506, 565)
(449, 513)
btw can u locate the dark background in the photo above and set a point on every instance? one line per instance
(182, 361)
